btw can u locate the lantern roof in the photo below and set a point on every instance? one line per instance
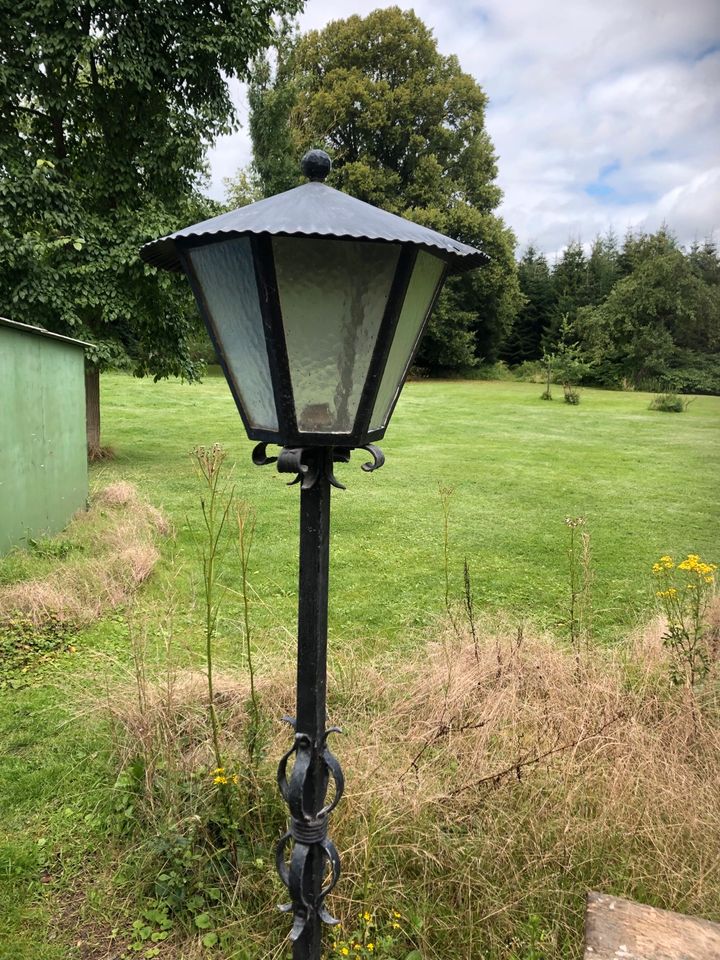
(315, 210)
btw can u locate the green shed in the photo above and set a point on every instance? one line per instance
(43, 446)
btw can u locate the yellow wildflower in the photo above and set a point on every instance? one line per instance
(366, 917)
(220, 779)
(371, 947)
(397, 915)
(345, 952)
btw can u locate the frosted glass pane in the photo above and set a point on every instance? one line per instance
(333, 295)
(420, 292)
(226, 275)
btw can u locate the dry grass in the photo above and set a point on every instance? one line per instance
(526, 778)
(113, 552)
(487, 790)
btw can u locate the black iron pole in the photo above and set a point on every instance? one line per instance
(313, 858)
(306, 858)
(312, 681)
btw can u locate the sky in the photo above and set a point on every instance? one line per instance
(604, 114)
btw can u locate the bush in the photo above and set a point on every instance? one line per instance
(571, 395)
(669, 403)
(483, 371)
(530, 371)
(696, 373)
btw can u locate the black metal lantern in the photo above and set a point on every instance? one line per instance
(316, 303)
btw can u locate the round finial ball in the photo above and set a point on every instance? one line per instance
(316, 164)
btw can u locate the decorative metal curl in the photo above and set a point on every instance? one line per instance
(309, 463)
(307, 830)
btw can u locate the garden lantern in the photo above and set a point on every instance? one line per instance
(315, 302)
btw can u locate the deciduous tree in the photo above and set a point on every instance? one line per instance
(658, 319)
(106, 109)
(406, 129)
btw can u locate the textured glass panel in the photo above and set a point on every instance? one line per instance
(421, 289)
(333, 295)
(226, 275)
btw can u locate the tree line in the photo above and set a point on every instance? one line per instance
(406, 129)
(641, 313)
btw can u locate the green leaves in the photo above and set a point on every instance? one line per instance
(406, 130)
(105, 115)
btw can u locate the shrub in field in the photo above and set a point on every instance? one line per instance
(685, 591)
(669, 403)
(190, 791)
(530, 371)
(548, 363)
(199, 837)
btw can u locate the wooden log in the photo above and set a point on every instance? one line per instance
(617, 929)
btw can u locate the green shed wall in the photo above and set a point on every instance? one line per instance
(43, 447)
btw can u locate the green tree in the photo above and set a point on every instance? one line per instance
(639, 247)
(106, 109)
(525, 337)
(657, 320)
(570, 364)
(406, 129)
(603, 269)
(271, 95)
(705, 262)
(242, 188)
(570, 289)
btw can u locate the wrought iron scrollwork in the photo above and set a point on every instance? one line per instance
(308, 463)
(308, 830)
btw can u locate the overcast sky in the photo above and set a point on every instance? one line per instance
(603, 113)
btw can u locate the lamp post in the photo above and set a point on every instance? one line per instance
(315, 302)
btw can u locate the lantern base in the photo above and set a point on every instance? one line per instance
(309, 467)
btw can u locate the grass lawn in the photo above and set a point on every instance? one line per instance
(645, 481)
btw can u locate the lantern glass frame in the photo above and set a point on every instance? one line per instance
(369, 423)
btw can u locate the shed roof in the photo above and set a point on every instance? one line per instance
(41, 332)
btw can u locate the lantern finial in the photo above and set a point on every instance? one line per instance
(316, 165)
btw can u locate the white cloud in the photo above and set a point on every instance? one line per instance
(577, 87)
